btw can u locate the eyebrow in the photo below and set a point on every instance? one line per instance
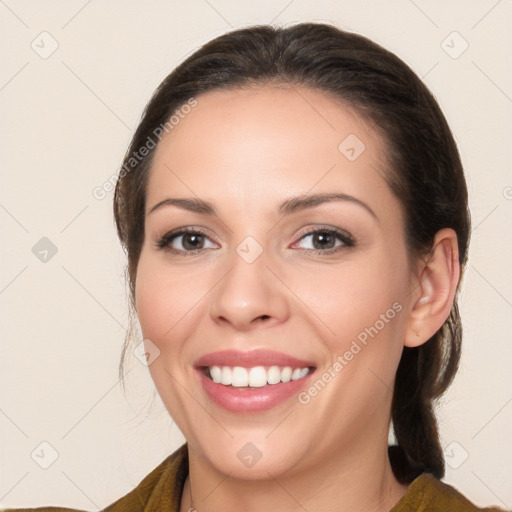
(288, 207)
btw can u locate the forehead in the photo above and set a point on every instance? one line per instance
(262, 143)
(263, 113)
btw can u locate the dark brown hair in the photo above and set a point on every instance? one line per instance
(425, 173)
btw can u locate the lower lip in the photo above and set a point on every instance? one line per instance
(251, 400)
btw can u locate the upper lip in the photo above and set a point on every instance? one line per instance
(252, 358)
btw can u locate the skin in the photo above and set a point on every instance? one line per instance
(246, 151)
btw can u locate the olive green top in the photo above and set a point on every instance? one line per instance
(161, 491)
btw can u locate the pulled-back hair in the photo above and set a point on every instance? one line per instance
(424, 172)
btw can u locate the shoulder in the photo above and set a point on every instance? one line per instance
(427, 493)
(160, 489)
(41, 509)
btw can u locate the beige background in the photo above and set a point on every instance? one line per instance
(66, 122)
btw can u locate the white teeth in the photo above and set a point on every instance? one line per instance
(255, 377)
(286, 374)
(227, 376)
(240, 377)
(296, 374)
(274, 375)
(304, 372)
(216, 374)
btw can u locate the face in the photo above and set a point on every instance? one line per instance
(252, 279)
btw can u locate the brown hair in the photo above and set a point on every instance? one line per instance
(426, 175)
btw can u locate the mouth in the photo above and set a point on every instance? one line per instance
(253, 381)
(254, 377)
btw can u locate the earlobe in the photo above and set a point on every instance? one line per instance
(438, 277)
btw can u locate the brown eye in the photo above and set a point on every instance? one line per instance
(185, 241)
(191, 242)
(326, 240)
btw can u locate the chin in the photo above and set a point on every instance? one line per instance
(244, 459)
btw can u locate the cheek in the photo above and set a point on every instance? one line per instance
(165, 301)
(169, 304)
(352, 298)
(363, 322)
(150, 300)
(362, 308)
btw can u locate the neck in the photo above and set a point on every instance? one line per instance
(359, 480)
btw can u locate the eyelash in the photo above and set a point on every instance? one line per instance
(346, 239)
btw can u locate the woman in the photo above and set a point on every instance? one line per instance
(294, 211)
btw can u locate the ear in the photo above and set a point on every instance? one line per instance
(437, 279)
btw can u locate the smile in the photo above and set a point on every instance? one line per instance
(254, 381)
(255, 377)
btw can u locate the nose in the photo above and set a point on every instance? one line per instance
(248, 296)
